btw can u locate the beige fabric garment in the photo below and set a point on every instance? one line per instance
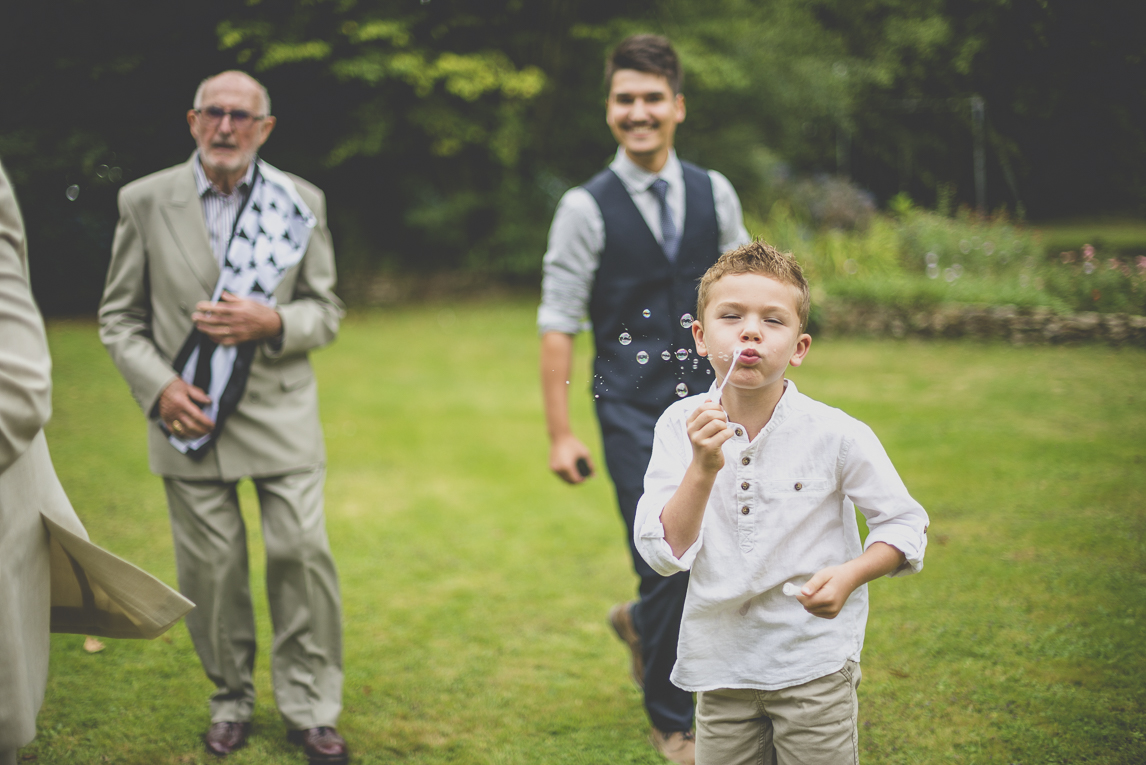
(51, 576)
(162, 264)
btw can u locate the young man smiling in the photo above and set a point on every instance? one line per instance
(626, 250)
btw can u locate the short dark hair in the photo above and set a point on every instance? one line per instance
(653, 54)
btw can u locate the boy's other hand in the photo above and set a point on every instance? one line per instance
(826, 592)
(708, 430)
(564, 454)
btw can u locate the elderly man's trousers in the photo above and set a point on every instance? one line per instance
(627, 435)
(302, 588)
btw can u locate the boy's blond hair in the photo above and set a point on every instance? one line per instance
(758, 257)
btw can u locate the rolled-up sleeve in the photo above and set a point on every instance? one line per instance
(576, 239)
(729, 214)
(671, 455)
(893, 517)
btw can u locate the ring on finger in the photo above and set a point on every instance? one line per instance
(177, 427)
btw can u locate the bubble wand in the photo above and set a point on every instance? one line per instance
(735, 357)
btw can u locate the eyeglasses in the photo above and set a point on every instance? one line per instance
(240, 118)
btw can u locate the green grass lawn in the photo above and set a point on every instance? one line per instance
(475, 585)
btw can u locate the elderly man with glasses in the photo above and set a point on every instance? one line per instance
(219, 286)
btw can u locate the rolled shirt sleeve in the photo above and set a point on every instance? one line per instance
(871, 482)
(729, 215)
(576, 239)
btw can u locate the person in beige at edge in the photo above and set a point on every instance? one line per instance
(163, 272)
(51, 576)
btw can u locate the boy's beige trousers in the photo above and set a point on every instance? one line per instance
(811, 724)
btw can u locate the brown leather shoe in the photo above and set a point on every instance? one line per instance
(322, 745)
(678, 747)
(225, 737)
(621, 617)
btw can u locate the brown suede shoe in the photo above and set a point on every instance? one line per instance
(225, 737)
(621, 617)
(678, 747)
(322, 745)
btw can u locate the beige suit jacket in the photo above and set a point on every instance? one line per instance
(51, 576)
(162, 264)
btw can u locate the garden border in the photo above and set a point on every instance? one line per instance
(1019, 326)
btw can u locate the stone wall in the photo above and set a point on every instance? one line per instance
(1021, 326)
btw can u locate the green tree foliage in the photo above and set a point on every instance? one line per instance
(444, 131)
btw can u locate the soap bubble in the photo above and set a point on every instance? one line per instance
(932, 271)
(988, 247)
(72, 193)
(681, 354)
(932, 259)
(646, 313)
(115, 174)
(666, 355)
(686, 320)
(101, 171)
(625, 338)
(642, 357)
(964, 246)
(851, 266)
(681, 390)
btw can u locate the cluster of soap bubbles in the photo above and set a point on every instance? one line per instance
(113, 174)
(681, 354)
(950, 274)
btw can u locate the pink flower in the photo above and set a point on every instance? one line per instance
(1142, 264)
(1087, 251)
(1068, 257)
(1113, 264)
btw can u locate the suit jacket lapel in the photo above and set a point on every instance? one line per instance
(184, 216)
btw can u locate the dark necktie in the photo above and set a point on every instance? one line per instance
(669, 233)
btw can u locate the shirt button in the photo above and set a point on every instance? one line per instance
(739, 431)
(745, 510)
(799, 486)
(744, 486)
(745, 460)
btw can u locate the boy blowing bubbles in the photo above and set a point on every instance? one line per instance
(756, 488)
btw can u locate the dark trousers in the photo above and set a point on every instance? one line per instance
(627, 434)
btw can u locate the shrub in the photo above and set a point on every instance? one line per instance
(916, 258)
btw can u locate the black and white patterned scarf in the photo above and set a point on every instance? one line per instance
(271, 235)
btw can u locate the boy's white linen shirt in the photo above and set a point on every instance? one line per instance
(800, 480)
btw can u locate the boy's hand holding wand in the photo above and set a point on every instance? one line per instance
(825, 594)
(707, 430)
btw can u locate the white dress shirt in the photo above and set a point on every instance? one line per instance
(782, 508)
(220, 211)
(577, 236)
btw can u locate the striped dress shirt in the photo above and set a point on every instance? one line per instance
(221, 210)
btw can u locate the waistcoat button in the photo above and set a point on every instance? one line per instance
(744, 486)
(799, 486)
(745, 460)
(744, 510)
